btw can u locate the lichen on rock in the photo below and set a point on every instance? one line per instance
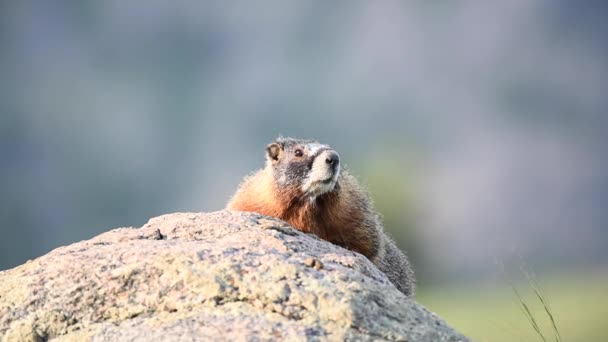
(217, 276)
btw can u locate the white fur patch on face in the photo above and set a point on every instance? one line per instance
(322, 178)
(313, 148)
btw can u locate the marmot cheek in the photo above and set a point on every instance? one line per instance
(282, 180)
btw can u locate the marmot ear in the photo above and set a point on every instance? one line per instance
(272, 151)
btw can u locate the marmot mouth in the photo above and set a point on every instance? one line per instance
(319, 187)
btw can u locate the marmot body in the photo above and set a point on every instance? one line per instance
(303, 184)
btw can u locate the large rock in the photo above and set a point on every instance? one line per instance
(216, 276)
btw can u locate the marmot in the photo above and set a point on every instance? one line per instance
(304, 185)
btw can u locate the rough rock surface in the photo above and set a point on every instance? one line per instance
(216, 276)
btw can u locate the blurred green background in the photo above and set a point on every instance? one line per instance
(480, 128)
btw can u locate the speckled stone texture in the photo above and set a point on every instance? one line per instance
(208, 276)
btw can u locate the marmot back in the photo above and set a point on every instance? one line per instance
(304, 185)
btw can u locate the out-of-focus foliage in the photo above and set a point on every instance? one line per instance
(491, 312)
(391, 177)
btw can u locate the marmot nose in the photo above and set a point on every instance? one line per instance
(332, 158)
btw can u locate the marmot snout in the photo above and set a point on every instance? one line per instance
(304, 184)
(323, 173)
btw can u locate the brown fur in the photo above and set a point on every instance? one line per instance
(343, 216)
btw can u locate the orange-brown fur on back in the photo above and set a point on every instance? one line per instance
(343, 216)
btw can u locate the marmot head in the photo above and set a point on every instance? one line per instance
(305, 166)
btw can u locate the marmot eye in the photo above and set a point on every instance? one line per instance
(299, 153)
